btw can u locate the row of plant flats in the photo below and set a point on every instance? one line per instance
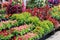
(54, 1)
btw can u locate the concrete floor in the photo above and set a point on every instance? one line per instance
(56, 36)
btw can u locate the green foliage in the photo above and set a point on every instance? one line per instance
(2, 16)
(8, 24)
(23, 31)
(45, 26)
(50, 24)
(21, 18)
(6, 37)
(2, 11)
(33, 20)
(36, 3)
(39, 31)
(55, 13)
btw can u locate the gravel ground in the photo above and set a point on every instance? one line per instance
(56, 36)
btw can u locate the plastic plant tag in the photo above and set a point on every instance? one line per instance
(24, 5)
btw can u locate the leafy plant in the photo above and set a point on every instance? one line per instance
(42, 12)
(5, 35)
(11, 9)
(34, 20)
(2, 16)
(22, 29)
(46, 27)
(37, 33)
(21, 18)
(8, 24)
(56, 12)
(2, 11)
(36, 3)
(50, 24)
